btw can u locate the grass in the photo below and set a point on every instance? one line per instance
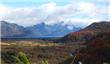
(36, 51)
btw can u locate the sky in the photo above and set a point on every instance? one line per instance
(71, 12)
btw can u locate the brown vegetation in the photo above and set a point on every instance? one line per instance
(96, 52)
(54, 53)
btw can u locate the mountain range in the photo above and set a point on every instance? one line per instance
(12, 30)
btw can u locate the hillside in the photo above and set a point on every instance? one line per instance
(99, 26)
(97, 51)
(88, 33)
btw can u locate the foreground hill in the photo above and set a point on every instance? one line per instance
(88, 33)
(97, 51)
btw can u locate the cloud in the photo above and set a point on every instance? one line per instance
(4, 10)
(81, 14)
(86, 7)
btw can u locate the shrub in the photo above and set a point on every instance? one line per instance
(44, 61)
(22, 58)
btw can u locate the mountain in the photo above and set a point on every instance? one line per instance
(88, 33)
(50, 30)
(38, 30)
(11, 30)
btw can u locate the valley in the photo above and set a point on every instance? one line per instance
(92, 42)
(54, 32)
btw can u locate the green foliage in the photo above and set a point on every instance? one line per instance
(18, 60)
(22, 59)
(44, 61)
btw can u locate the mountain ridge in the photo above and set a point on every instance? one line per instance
(11, 29)
(38, 30)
